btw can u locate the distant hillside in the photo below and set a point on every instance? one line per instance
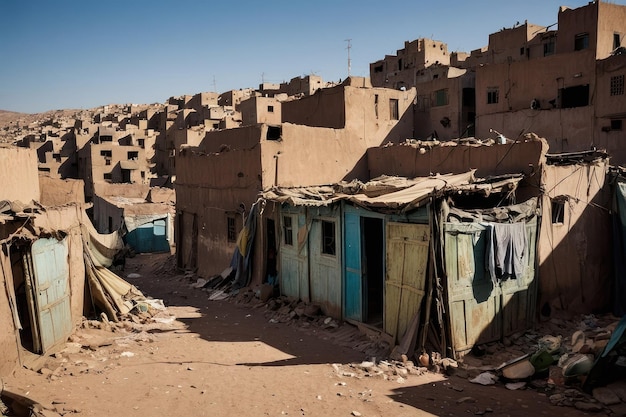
(11, 117)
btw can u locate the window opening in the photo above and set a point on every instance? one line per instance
(493, 95)
(328, 238)
(558, 211)
(287, 231)
(273, 133)
(616, 124)
(577, 96)
(441, 97)
(393, 109)
(232, 232)
(581, 41)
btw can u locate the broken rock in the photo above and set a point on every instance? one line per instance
(606, 396)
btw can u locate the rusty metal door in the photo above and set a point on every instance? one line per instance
(407, 260)
(51, 289)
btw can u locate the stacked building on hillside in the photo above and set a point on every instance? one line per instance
(564, 84)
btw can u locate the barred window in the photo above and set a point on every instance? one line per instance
(617, 85)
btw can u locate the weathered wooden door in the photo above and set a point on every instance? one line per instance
(51, 289)
(407, 261)
(474, 303)
(325, 264)
(353, 285)
(480, 311)
(294, 248)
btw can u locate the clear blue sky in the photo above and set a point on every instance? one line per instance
(84, 53)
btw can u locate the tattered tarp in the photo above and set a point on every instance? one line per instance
(103, 247)
(109, 292)
(386, 192)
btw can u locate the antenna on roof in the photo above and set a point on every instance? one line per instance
(214, 85)
(349, 60)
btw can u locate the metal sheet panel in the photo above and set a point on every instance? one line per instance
(353, 287)
(50, 263)
(407, 260)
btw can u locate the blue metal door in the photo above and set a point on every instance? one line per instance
(51, 287)
(353, 287)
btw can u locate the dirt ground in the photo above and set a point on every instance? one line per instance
(219, 358)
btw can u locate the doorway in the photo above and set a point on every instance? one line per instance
(373, 255)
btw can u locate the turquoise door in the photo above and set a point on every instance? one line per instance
(353, 286)
(52, 292)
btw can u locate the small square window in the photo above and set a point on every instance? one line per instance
(287, 231)
(548, 47)
(493, 95)
(108, 176)
(441, 97)
(232, 231)
(270, 109)
(581, 41)
(558, 211)
(328, 238)
(616, 124)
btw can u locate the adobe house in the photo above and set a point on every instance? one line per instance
(574, 198)
(218, 181)
(374, 252)
(445, 105)
(143, 215)
(563, 84)
(38, 249)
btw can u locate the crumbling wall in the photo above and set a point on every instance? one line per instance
(18, 170)
(575, 239)
(9, 354)
(215, 188)
(57, 192)
(420, 160)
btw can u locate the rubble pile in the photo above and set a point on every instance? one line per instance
(390, 370)
(557, 359)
